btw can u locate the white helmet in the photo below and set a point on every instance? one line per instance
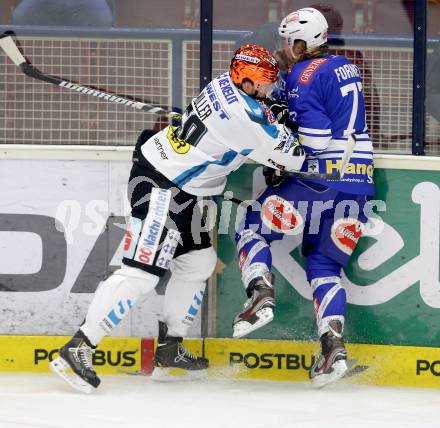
(306, 24)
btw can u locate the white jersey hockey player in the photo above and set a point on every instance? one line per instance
(220, 129)
(226, 124)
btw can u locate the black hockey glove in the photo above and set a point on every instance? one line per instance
(272, 176)
(280, 112)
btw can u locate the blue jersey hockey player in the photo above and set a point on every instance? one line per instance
(325, 101)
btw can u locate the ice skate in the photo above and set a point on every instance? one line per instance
(332, 362)
(173, 362)
(74, 364)
(258, 309)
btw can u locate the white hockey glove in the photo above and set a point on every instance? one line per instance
(294, 152)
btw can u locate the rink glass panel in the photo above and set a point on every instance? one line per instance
(36, 112)
(394, 295)
(162, 67)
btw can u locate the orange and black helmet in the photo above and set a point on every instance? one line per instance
(255, 63)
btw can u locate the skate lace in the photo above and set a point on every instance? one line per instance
(183, 354)
(85, 354)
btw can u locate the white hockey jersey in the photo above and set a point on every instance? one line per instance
(220, 129)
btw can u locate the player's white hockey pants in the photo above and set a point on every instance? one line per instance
(118, 294)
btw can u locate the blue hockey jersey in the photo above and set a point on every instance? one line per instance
(325, 99)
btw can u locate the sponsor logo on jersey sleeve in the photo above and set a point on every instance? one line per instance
(281, 216)
(179, 146)
(160, 148)
(345, 234)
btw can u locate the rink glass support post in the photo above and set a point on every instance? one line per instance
(419, 78)
(206, 29)
(206, 20)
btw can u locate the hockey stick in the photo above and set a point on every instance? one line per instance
(321, 176)
(314, 175)
(351, 142)
(12, 51)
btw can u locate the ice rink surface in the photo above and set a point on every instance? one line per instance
(44, 401)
